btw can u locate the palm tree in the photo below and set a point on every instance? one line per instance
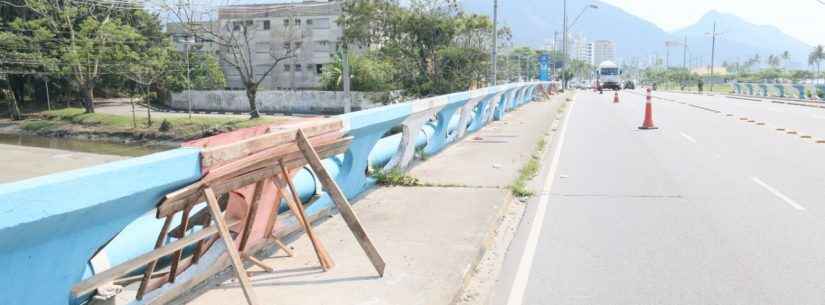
(786, 56)
(816, 57)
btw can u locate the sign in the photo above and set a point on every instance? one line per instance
(544, 67)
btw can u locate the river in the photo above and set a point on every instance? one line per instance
(24, 156)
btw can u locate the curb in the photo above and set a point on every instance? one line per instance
(493, 233)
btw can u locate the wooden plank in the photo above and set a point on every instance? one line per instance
(341, 203)
(184, 222)
(250, 214)
(284, 247)
(200, 248)
(298, 210)
(147, 275)
(258, 263)
(191, 194)
(218, 155)
(223, 232)
(264, 157)
(90, 284)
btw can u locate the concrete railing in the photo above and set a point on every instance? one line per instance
(52, 226)
(798, 91)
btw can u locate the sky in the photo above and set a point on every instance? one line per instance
(802, 19)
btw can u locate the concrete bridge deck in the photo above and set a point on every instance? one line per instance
(431, 237)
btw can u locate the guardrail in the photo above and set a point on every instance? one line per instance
(798, 91)
(51, 227)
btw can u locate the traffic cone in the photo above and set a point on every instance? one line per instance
(615, 97)
(648, 123)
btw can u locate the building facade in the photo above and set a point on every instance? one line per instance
(603, 50)
(306, 30)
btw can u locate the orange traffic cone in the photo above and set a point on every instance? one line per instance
(615, 97)
(648, 123)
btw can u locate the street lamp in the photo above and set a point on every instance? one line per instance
(713, 34)
(566, 27)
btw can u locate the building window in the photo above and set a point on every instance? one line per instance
(309, 21)
(319, 68)
(266, 25)
(249, 23)
(286, 45)
(286, 68)
(297, 22)
(297, 67)
(236, 25)
(298, 44)
(322, 23)
(286, 22)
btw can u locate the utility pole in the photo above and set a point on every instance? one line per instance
(346, 76)
(712, 56)
(188, 80)
(564, 38)
(495, 40)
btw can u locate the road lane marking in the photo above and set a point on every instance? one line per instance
(519, 286)
(689, 138)
(778, 194)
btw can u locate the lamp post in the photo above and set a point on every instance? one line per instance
(566, 27)
(712, 52)
(495, 43)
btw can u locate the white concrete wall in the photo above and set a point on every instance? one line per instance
(326, 102)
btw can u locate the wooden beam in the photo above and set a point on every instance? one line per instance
(147, 275)
(298, 210)
(191, 194)
(258, 263)
(341, 203)
(251, 213)
(282, 246)
(223, 231)
(214, 156)
(264, 158)
(173, 267)
(90, 284)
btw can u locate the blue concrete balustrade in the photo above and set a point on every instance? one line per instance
(51, 226)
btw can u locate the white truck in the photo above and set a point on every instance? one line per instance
(608, 75)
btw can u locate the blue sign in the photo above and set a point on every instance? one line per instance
(544, 67)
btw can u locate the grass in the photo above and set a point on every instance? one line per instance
(717, 88)
(181, 127)
(395, 177)
(528, 171)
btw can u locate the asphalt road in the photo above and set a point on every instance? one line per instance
(709, 209)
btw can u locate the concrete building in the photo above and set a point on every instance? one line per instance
(603, 50)
(309, 28)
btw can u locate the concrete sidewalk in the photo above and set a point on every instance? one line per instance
(430, 237)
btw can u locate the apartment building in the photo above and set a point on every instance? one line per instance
(603, 50)
(309, 28)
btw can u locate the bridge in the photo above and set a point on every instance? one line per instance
(717, 205)
(65, 230)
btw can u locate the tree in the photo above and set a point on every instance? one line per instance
(235, 35)
(786, 57)
(368, 74)
(816, 56)
(92, 38)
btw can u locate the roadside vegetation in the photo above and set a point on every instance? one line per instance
(76, 120)
(528, 171)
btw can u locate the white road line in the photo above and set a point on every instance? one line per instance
(519, 287)
(777, 193)
(689, 138)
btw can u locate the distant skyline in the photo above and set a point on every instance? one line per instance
(802, 19)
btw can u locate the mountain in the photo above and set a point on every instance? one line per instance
(534, 22)
(741, 39)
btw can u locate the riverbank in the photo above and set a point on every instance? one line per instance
(165, 131)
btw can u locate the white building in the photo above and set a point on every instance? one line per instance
(581, 49)
(308, 27)
(603, 50)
